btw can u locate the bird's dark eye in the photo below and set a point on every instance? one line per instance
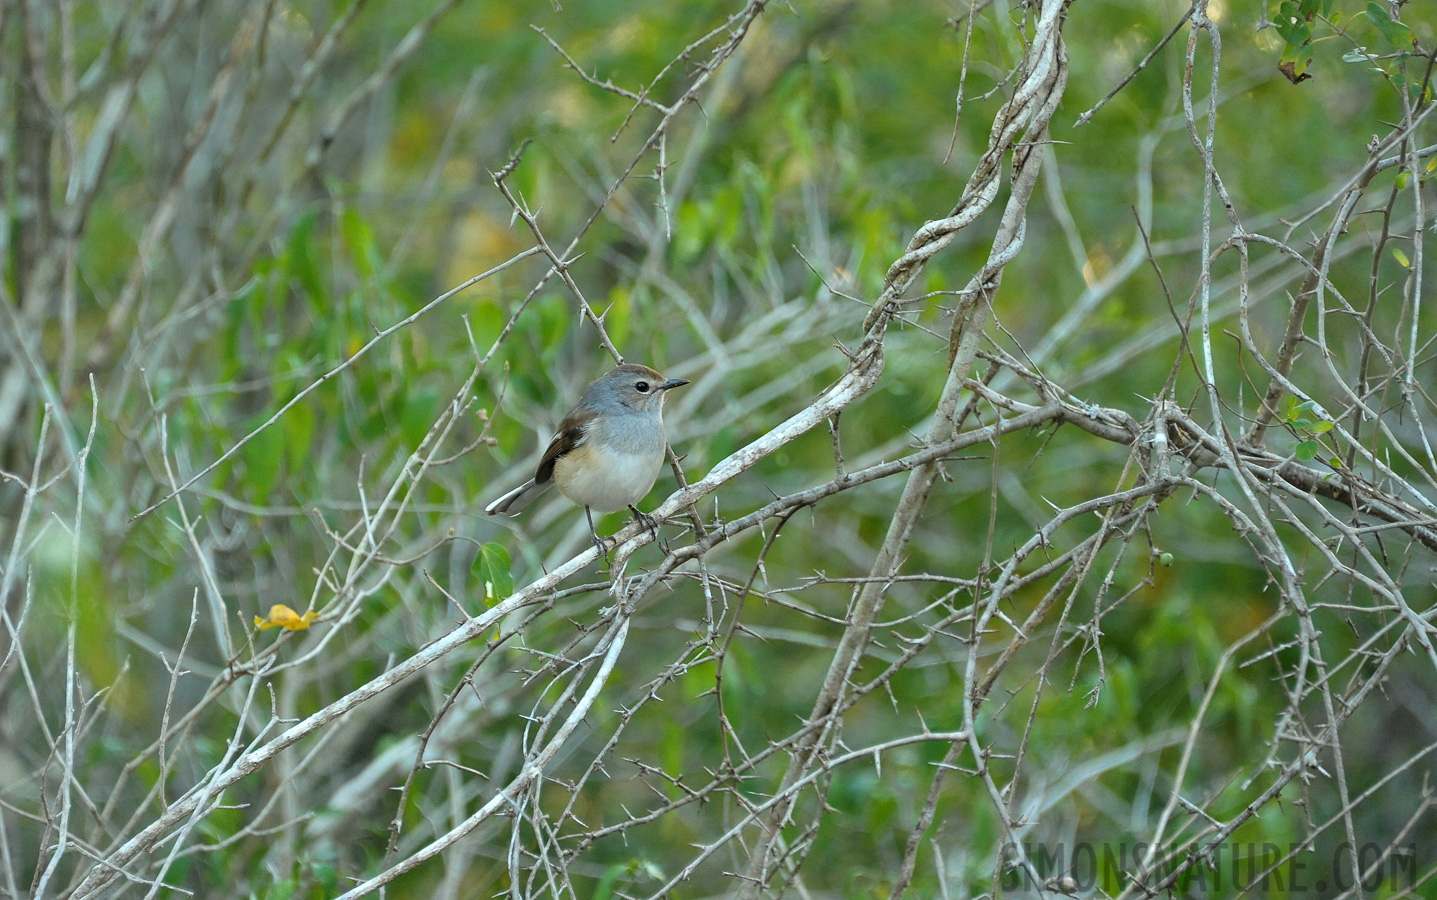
(642, 387)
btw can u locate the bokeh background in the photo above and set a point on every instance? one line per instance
(212, 207)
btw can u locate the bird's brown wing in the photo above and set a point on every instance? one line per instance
(572, 429)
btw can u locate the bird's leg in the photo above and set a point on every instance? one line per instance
(600, 544)
(651, 525)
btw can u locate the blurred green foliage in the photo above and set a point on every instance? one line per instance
(816, 154)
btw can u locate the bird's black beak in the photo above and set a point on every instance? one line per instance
(672, 383)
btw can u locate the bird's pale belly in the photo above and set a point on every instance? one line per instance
(606, 481)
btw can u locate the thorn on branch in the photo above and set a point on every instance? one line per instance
(512, 164)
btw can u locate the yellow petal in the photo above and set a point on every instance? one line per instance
(281, 616)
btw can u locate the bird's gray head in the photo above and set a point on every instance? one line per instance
(631, 386)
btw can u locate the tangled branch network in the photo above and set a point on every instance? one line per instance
(1158, 587)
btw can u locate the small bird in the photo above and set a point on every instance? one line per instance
(608, 451)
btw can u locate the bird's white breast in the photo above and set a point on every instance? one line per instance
(607, 476)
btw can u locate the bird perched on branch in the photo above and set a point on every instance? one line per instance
(608, 451)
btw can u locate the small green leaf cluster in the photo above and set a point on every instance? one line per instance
(1294, 23)
(1296, 19)
(1307, 424)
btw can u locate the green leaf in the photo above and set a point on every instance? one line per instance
(1321, 428)
(1401, 181)
(1307, 450)
(1297, 413)
(1401, 258)
(1395, 32)
(491, 567)
(1293, 24)
(1294, 63)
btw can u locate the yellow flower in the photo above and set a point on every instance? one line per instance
(281, 616)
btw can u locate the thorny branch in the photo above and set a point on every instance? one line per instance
(1306, 434)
